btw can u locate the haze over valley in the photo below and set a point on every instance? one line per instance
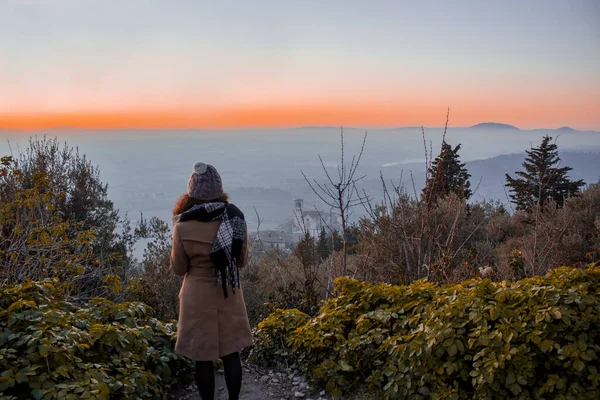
(261, 169)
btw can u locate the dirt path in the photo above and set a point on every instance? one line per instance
(258, 385)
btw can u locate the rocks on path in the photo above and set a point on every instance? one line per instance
(259, 385)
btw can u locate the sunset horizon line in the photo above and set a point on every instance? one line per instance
(266, 118)
(175, 127)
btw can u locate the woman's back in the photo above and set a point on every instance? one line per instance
(197, 239)
(210, 244)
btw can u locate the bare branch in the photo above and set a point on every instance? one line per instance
(325, 170)
(478, 184)
(343, 194)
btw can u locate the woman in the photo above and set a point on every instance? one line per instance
(210, 244)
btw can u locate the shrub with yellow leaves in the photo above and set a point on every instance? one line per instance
(537, 338)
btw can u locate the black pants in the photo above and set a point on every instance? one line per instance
(205, 377)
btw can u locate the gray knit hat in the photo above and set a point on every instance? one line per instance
(205, 182)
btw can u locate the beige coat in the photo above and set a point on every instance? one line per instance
(210, 326)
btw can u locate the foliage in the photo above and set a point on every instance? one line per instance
(56, 349)
(306, 252)
(36, 241)
(323, 248)
(84, 198)
(405, 240)
(156, 285)
(46, 232)
(542, 179)
(271, 346)
(329, 243)
(447, 175)
(517, 264)
(552, 235)
(534, 338)
(273, 282)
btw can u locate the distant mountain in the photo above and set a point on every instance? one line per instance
(495, 125)
(317, 127)
(566, 129)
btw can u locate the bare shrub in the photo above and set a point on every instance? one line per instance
(554, 236)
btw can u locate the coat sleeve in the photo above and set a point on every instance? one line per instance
(244, 258)
(179, 259)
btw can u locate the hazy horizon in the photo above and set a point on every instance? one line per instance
(492, 125)
(261, 169)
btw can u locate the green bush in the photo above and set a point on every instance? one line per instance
(535, 338)
(271, 347)
(55, 349)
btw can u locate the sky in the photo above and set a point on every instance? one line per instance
(283, 63)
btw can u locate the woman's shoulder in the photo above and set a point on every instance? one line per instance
(196, 230)
(234, 211)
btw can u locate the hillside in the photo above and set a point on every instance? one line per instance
(494, 125)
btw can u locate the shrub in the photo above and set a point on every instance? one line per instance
(271, 347)
(84, 198)
(553, 236)
(534, 338)
(55, 349)
(447, 241)
(155, 284)
(36, 242)
(274, 281)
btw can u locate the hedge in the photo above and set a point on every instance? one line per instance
(535, 338)
(54, 349)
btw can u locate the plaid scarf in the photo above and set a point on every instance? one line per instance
(227, 248)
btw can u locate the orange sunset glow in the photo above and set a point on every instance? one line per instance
(386, 115)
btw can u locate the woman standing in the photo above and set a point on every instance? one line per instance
(210, 244)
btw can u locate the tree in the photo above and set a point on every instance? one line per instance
(543, 179)
(156, 285)
(447, 175)
(306, 251)
(340, 193)
(337, 242)
(323, 248)
(37, 242)
(85, 200)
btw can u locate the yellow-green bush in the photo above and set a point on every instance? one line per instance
(270, 347)
(534, 338)
(54, 349)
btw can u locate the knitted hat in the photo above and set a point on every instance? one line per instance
(205, 182)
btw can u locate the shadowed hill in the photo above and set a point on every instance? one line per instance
(495, 125)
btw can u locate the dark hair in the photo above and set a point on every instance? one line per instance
(185, 202)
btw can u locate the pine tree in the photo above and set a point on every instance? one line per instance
(447, 175)
(336, 241)
(306, 251)
(323, 248)
(542, 179)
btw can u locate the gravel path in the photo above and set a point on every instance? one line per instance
(259, 385)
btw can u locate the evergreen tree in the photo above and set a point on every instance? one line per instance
(336, 242)
(85, 199)
(352, 238)
(323, 248)
(447, 175)
(306, 251)
(542, 179)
